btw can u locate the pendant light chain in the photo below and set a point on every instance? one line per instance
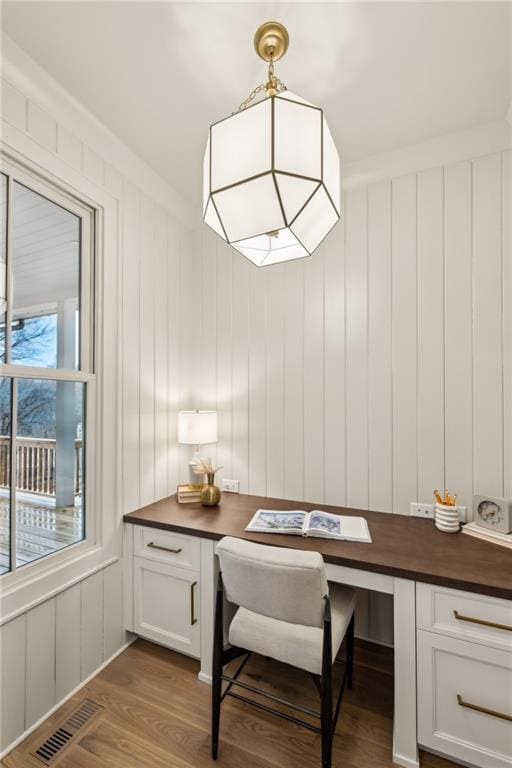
(273, 86)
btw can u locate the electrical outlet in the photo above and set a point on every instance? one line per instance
(231, 486)
(427, 510)
(422, 510)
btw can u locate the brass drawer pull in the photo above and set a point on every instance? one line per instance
(164, 549)
(493, 713)
(485, 623)
(193, 619)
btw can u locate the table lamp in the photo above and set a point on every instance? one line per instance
(196, 428)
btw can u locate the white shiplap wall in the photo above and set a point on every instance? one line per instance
(47, 651)
(378, 369)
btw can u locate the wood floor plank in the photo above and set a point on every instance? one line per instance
(157, 715)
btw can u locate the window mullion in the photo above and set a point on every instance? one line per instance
(13, 475)
(8, 274)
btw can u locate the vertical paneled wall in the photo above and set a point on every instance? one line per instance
(47, 651)
(160, 323)
(378, 369)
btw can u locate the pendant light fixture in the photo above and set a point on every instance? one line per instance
(271, 183)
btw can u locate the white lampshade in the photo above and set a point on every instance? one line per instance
(271, 181)
(197, 427)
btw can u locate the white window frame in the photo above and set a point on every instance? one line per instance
(84, 374)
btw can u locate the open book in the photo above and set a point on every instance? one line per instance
(314, 523)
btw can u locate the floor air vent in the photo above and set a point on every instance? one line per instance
(67, 732)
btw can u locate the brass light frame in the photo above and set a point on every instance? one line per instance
(271, 43)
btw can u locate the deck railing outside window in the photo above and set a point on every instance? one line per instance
(35, 461)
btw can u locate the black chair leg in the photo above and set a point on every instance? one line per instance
(350, 654)
(326, 722)
(218, 647)
(326, 690)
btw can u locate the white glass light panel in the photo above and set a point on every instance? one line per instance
(315, 221)
(293, 97)
(298, 139)
(294, 193)
(271, 249)
(241, 146)
(249, 209)
(265, 180)
(331, 169)
(213, 220)
(197, 427)
(206, 175)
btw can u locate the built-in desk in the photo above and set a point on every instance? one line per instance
(434, 577)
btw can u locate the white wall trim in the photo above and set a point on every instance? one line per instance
(21, 71)
(42, 598)
(66, 698)
(509, 114)
(443, 150)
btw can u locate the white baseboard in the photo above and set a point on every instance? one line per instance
(66, 698)
(406, 762)
(205, 678)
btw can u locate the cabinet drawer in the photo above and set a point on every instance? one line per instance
(456, 681)
(481, 619)
(166, 605)
(167, 547)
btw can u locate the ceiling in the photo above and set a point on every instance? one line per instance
(158, 73)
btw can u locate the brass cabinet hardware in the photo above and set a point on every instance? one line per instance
(164, 549)
(485, 623)
(193, 619)
(492, 712)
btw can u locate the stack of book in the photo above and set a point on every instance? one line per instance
(473, 529)
(189, 493)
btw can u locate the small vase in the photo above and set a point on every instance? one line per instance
(210, 494)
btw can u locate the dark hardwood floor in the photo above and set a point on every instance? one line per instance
(156, 715)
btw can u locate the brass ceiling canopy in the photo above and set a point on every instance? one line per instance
(271, 41)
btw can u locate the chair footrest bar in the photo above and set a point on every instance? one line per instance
(271, 696)
(272, 711)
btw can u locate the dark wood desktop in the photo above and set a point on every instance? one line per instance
(406, 547)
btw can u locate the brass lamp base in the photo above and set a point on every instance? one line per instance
(271, 41)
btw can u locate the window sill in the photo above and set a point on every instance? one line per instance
(24, 589)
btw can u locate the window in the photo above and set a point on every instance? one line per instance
(46, 368)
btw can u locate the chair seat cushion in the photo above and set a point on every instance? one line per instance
(295, 644)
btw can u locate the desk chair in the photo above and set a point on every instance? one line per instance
(287, 611)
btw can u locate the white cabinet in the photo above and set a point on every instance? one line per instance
(465, 698)
(164, 595)
(466, 615)
(464, 675)
(166, 605)
(167, 547)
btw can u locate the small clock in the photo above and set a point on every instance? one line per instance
(493, 512)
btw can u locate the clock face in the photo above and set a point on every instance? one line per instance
(490, 512)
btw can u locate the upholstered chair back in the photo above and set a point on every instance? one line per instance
(285, 584)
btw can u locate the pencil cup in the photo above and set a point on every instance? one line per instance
(447, 518)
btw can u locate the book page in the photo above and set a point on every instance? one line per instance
(273, 521)
(324, 524)
(338, 526)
